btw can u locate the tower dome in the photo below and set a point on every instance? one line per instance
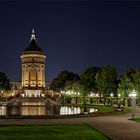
(33, 46)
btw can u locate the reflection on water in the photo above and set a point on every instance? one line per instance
(42, 110)
(13, 110)
(34, 110)
(3, 110)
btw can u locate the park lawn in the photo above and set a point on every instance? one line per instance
(106, 111)
(136, 120)
(51, 132)
(111, 109)
(103, 108)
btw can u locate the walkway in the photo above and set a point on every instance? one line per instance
(118, 126)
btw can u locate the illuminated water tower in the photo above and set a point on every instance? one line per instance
(33, 69)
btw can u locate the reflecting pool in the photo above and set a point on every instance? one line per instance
(35, 110)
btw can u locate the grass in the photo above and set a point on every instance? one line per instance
(101, 108)
(104, 110)
(51, 132)
(135, 119)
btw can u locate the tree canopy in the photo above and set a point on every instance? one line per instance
(107, 81)
(59, 82)
(89, 78)
(129, 81)
(102, 80)
(4, 82)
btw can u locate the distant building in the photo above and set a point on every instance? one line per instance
(16, 85)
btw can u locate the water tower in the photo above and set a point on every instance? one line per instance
(33, 69)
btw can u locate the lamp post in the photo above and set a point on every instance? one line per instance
(111, 95)
(133, 102)
(62, 96)
(119, 95)
(1, 94)
(119, 100)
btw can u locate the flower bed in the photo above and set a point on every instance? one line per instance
(104, 112)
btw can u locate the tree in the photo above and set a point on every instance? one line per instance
(78, 88)
(4, 82)
(137, 82)
(107, 81)
(128, 82)
(89, 78)
(129, 73)
(75, 87)
(59, 82)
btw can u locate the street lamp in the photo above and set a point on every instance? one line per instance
(1, 94)
(133, 102)
(97, 95)
(119, 95)
(111, 94)
(119, 101)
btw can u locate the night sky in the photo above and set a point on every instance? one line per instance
(74, 35)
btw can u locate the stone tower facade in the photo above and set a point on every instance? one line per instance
(33, 69)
